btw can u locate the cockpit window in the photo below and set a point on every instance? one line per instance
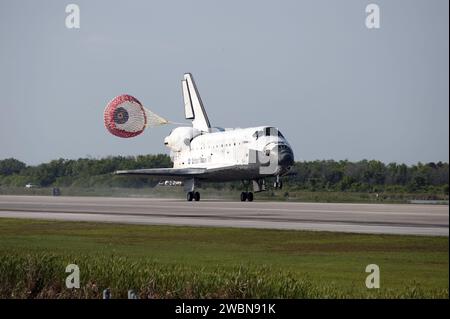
(272, 131)
(268, 131)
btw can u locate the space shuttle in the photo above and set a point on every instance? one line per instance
(202, 153)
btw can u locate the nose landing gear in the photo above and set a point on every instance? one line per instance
(246, 196)
(193, 196)
(278, 183)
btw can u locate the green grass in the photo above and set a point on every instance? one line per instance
(193, 262)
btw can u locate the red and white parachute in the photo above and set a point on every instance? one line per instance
(126, 117)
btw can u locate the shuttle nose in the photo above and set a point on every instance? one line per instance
(286, 159)
(285, 156)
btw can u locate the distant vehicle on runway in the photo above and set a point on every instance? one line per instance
(202, 153)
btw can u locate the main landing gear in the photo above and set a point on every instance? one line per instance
(246, 196)
(193, 196)
(189, 186)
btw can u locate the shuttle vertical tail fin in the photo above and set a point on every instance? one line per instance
(193, 105)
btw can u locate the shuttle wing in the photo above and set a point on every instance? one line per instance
(183, 173)
(193, 105)
(164, 172)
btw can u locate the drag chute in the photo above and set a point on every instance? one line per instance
(126, 117)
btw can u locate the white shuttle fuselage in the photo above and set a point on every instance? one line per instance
(244, 150)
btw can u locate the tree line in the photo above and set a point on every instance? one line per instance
(329, 175)
(371, 176)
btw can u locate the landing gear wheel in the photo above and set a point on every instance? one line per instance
(197, 196)
(243, 196)
(190, 196)
(250, 196)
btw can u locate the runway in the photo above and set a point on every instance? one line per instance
(358, 218)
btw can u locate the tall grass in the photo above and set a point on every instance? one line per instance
(42, 275)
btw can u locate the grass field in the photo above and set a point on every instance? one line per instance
(190, 262)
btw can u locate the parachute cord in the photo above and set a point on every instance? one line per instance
(166, 122)
(176, 123)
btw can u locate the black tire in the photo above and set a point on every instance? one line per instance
(197, 196)
(190, 196)
(250, 196)
(243, 196)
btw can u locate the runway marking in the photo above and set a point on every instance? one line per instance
(221, 217)
(251, 209)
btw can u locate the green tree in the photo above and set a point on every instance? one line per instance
(11, 166)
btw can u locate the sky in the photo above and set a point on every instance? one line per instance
(335, 88)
